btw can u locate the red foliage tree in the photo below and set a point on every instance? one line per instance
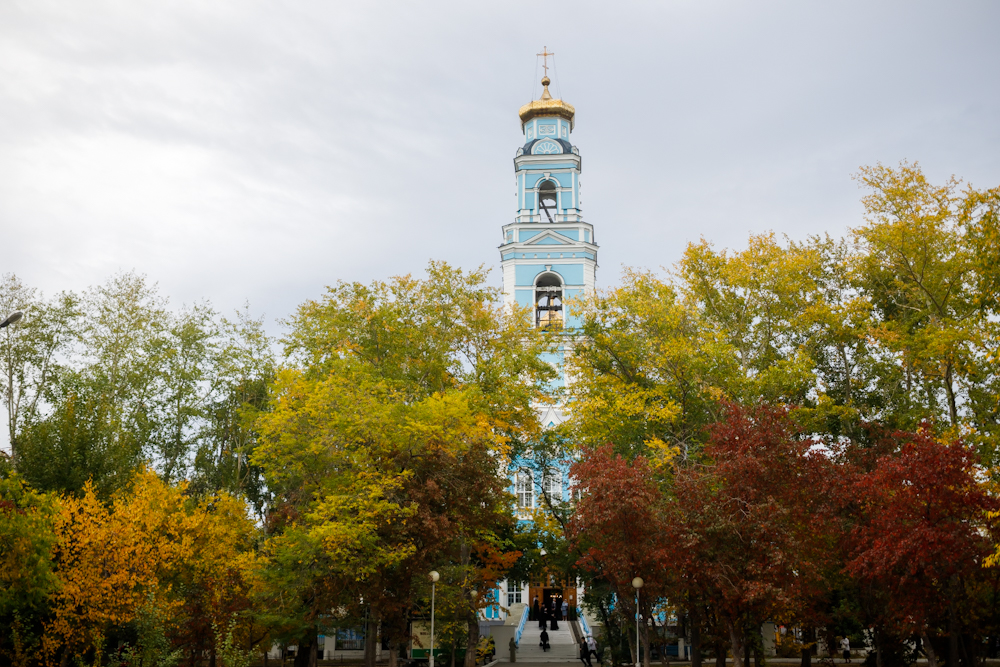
(919, 532)
(754, 532)
(618, 527)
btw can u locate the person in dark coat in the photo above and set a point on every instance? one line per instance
(535, 610)
(545, 640)
(554, 625)
(585, 653)
(541, 618)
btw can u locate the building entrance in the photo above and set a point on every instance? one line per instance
(552, 599)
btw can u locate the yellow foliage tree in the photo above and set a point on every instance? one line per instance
(150, 547)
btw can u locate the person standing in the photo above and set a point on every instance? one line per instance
(534, 610)
(565, 610)
(545, 641)
(585, 653)
(845, 646)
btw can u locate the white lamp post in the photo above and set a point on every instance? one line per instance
(636, 584)
(434, 579)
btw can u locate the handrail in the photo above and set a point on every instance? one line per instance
(583, 622)
(520, 626)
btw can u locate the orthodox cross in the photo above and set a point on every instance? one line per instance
(545, 58)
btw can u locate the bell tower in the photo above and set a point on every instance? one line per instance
(548, 254)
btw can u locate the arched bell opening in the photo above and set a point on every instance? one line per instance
(548, 300)
(548, 200)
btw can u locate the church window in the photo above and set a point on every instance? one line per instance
(548, 301)
(547, 202)
(513, 592)
(525, 491)
(552, 483)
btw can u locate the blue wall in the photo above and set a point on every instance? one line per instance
(572, 274)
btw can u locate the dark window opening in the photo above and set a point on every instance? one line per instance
(547, 200)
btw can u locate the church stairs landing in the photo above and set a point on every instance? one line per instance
(562, 648)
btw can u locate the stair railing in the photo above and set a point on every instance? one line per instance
(520, 626)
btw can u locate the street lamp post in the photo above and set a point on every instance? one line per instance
(636, 584)
(434, 579)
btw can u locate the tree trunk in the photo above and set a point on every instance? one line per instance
(393, 655)
(644, 634)
(928, 648)
(952, 625)
(695, 616)
(720, 653)
(735, 643)
(305, 656)
(371, 637)
(472, 643)
(968, 658)
(808, 636)
(950, 389)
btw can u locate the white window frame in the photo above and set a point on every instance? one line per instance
(525, 488)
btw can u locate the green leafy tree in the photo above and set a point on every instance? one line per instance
(27, 535)
(32, 350)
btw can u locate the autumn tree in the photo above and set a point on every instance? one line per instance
(149, 552)
(916, 269)
(619, 529)
(920, 538)
(385, 441)
(750, 542)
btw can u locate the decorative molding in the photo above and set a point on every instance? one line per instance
(546, 148)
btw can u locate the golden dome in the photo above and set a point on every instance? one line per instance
(547, 106)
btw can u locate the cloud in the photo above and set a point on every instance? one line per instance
(257, 150)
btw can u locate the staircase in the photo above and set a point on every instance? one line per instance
(562, 648)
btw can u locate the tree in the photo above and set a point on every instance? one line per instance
(753, 531)
(753, 302)
(27, 520)
(107, 560)
(383, 449)
(916, 267)
(920, 533)
(619, 528)
(647, 375)
(99, 414)
(30, 350)
(242, 371)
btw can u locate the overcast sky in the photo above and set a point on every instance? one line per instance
(259, 151)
